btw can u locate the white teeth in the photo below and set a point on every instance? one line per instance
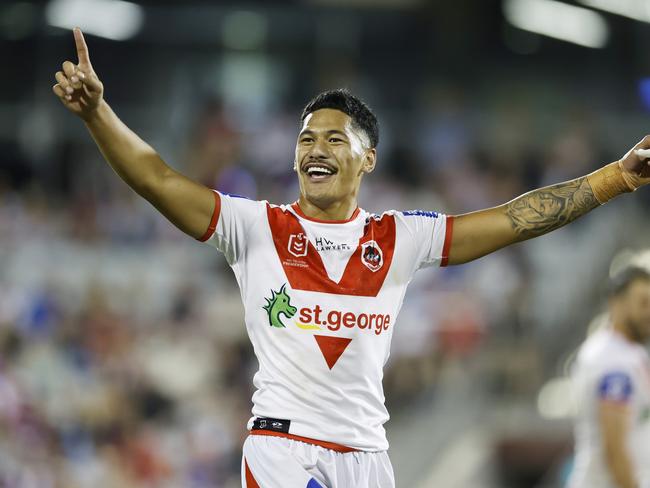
(319, 169)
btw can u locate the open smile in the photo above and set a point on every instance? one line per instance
(319, 171)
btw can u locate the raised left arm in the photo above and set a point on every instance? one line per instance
(543, 210)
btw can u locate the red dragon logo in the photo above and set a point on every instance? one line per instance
(372, 256)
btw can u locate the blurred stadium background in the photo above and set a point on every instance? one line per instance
(123, 355)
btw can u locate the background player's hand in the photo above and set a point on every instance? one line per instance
(638, 165)
(78, 86)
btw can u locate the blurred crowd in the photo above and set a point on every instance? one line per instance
(124, 360)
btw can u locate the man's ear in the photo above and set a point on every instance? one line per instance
(369, 161)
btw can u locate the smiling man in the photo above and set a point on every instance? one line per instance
(333, 153)
(321, 279)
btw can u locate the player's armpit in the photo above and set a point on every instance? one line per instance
(614, 420)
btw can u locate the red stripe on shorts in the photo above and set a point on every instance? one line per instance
(327, 445)
(250, 480)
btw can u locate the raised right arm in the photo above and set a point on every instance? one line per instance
(188, 205)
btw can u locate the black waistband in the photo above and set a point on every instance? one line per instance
(274, 425)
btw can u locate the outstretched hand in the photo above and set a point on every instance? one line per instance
(637, 160)
(78, 86)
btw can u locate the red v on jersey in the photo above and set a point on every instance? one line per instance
(304, 267)
(332, 347)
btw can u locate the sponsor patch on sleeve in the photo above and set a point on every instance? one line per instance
(615, 387)
(420, 213)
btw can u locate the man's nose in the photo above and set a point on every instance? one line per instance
(319, 150)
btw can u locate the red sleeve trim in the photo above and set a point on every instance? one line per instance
(449, 231)
(214, 219)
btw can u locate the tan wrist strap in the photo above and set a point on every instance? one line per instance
(612, 180)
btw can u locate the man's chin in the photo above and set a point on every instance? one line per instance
(641, 331)
(645, 336)
(320, 199)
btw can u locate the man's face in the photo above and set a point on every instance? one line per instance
(331, 157)
(634, 309)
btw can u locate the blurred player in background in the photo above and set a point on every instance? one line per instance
(612, 382)
(321, 279)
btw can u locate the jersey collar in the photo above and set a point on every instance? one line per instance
(296, 208)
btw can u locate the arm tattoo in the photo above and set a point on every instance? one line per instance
(540, 211)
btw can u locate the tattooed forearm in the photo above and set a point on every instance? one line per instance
(541, 211)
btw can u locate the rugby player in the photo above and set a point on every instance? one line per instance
(321, 279)
(612, 382)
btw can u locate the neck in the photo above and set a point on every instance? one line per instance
(620, 327)
(341, 210)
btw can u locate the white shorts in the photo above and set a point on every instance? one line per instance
(277, 462)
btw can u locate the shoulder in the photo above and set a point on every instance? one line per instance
(602, 354)
(420, 213)
(239, 199)
(416, 222)
(409, 216)
(240, 205)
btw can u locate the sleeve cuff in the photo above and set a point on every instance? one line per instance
(214, 219)
(449, 231)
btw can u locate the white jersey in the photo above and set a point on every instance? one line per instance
(611, 368)
(321, 301)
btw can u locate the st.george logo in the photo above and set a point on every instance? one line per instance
(298, 245)
(372, 256)
(279, 304)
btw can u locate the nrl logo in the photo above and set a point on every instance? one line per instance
(279, 304)
(372, 256)
(298, 245)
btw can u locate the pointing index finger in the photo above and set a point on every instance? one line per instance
(82, 49)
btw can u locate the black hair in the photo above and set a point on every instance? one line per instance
(341, 99)
(622, 280)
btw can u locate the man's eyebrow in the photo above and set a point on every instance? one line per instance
(329, 132)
